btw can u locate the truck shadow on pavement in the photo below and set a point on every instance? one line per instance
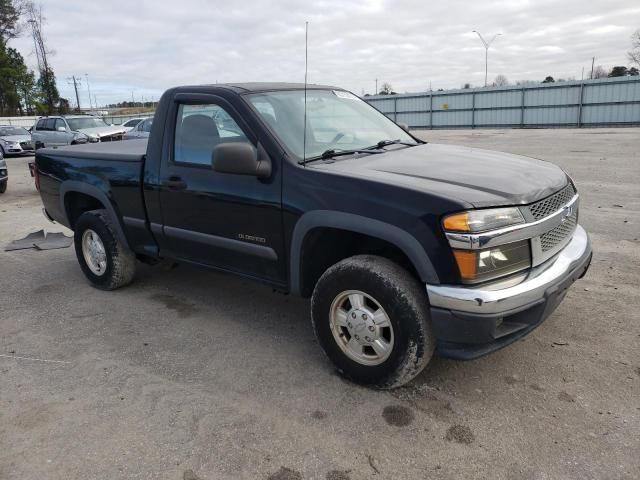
(209, 298)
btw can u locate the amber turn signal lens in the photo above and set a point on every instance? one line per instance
(467, 263)
(458, 222)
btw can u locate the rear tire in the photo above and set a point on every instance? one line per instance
(105, 261)
(371, 317)
(3, 186)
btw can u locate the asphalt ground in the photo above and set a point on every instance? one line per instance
(190, 374)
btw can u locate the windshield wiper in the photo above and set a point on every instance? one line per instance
(337, 153)
(384, 143)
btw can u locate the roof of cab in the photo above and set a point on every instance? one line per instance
(252, 87)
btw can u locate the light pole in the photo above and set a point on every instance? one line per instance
(486, 52)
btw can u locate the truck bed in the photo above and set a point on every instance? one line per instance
(99, 175)
(125, 151)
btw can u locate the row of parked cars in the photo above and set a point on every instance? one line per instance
(56, 131)
(68, 130)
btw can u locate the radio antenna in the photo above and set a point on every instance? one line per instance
(306, 63)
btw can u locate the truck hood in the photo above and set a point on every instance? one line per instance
(102, 131)
(17, 138)
(481, 178)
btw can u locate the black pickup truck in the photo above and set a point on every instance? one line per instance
(404, 247)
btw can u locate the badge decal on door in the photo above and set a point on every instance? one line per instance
(251, 238)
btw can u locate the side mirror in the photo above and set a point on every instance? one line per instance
(240, 159)
(403, 126)
(62, 129)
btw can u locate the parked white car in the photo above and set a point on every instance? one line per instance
(131, 124)
(15, 141)
(141, 130)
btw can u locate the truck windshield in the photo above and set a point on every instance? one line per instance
(336, 120)
(89, 122)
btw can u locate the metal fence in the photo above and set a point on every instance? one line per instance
(25, 122)
(587, 103)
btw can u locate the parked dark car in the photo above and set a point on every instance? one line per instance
(4, 174)
(404, 247)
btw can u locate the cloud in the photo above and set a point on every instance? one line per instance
(147, 46)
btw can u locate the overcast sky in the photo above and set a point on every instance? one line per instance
(145, 46)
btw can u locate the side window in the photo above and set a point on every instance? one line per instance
(199, 128)
(41, 124)
(59, 123)
(146, 125)
(48, 124)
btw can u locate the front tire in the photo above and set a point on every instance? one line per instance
(371, 317)
(106, 262)
(3, 186)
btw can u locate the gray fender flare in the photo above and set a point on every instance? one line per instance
(72, 186)
(359, 224)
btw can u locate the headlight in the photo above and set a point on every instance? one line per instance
(475, 221)
(482, 265)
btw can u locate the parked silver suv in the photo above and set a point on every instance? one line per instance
(57, 131)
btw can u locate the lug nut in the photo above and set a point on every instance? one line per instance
(353, 315)
(367, 339)
(364, 316)
(371, 328)
(357, 337)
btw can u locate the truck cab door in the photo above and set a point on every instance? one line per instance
(227, 221)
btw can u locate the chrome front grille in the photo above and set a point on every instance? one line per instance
(549, 243)
(552, 203)
(556, 236)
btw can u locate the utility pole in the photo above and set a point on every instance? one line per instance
(376, 92)
(486, 52)
(75, 82)
(86, 75)
(593, 60)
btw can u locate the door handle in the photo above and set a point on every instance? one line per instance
(176, 183)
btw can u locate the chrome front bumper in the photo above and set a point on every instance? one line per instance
(532, 290)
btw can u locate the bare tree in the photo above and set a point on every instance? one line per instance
(386, 89)
(600, 72)
(524, 83)
(634, 53)
(501, 81)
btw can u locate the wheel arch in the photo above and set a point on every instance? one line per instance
(348, 222)
(92, 198)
